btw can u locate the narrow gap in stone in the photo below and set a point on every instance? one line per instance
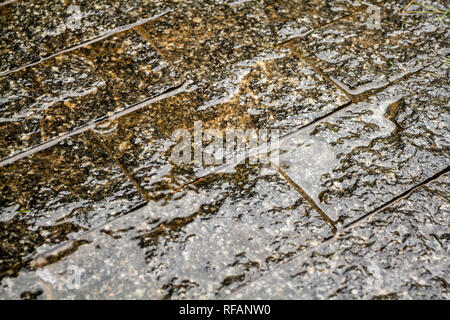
(335, 236)
(402, 196)
(285, 42)
(85, 43)
(144, 35)
(302, 57)
(363, 7)
(49, 143)
(358, 97)
(307, 198)
(117, 163)
(300, 255)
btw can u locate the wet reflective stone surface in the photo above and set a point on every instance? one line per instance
(286, 93)
(278, 92)
(205, 149)
(55, 194)
(202, 242)
(365, 52)
(399, 253)
(371, 152)
(47, 27)
(295, 18)
(66, 92)
(205, 41)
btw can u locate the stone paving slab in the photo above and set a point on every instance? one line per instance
(401, 252)
(279, 92)
(205, 39)
(203, 242)
(56, 194)
(15, 50)
(355, 160)
(68, 91)
(286, 94)
(361, 58)
(204, 42)
(45, 27)
(366, 115)
(294, 18)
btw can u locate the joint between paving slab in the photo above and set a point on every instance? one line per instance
(63, 249)
(359, 10)
(349, 226)
(282, 264)
(49, 143)
(302, 57)
(143, 34)
(297, 188)
(400, 197)
(357, 97)
(85, 43)
(117, 162)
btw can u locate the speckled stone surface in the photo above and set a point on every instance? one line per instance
(295, 18)
(285, 93)
(142, 141)
(68, 91)
(15, 50)
(278, 92)
(205, 42)
(105, 211)
(203, 242)
(360, 57)
(354, 161)
(55, 194)
(401, 252)
(44, 27)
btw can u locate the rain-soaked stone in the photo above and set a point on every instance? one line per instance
(214, 42)
(74, 89)
(401, 252)
(42, 28)
(357, 159)
(285, 93)
(144, 141)
(15, 51)
(26, 286)
(54, 195)
(204, 42)
(295, 18)
(278, 92)
(372, 49)
(202, 242)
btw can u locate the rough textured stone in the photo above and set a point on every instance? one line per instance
(15, 50)
(285, 94)
(50, 26)
(68, 91)
(401, 252)
(55, 194)
(206, 43)
(279, 92)
(378, 99)
(295, 18)
(360, 57)
(203, 242)
(355, 160)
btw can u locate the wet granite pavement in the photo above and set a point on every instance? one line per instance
(352, 201)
